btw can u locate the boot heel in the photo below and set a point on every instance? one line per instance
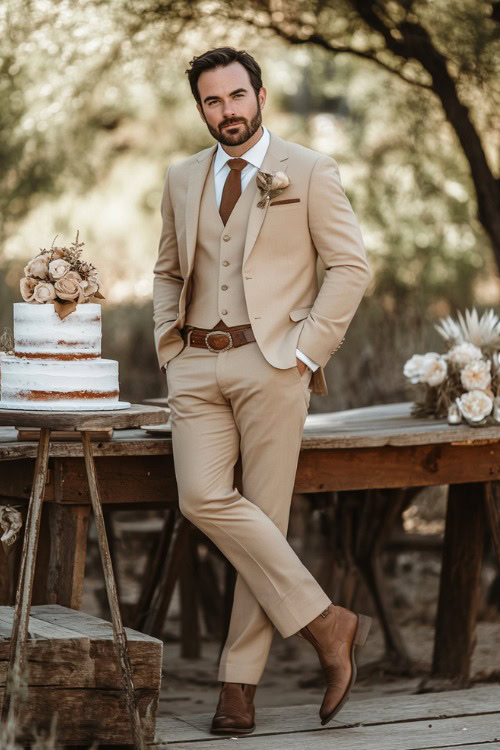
(364, 624)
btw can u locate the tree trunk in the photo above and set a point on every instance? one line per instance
(416, 44)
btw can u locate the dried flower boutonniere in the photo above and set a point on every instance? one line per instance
(271, 185)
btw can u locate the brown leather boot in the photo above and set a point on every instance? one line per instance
(235, 712)
(335, 633)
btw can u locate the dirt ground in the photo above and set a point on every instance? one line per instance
(292, 676)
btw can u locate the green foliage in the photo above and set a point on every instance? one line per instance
(410, 188)
(89, 86)
(52, 106)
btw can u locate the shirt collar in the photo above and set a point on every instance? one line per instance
(255, 155)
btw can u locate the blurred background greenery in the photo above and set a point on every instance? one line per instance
(95, 105)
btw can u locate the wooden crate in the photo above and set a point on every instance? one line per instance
(73, 670)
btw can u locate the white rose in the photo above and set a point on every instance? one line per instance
(434, 369)
(89, 286)
(69, 289)
(462, 354)
(27, 286)
(58, 268)
(73, 275)
(475, 405)
(476, 375)
(38, 267)
(413, 368)
(280, 181)
(44, 292)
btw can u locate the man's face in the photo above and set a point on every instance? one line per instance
(229, 106)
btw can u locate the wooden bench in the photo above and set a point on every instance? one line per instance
(73, 672)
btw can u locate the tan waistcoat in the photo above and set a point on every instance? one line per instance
(219, 247)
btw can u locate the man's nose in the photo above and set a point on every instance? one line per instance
(228, 108)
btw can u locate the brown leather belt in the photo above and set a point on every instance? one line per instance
(220, 338)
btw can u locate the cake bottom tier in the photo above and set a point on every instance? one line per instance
(38, 384)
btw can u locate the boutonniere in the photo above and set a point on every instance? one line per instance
(271, 185)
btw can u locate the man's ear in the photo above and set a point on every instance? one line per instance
(200, 112)
(262, 97)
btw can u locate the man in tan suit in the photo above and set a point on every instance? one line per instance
(244, 332)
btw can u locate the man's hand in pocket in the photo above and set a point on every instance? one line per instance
(301, 365)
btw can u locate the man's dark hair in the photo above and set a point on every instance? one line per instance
(219, 58)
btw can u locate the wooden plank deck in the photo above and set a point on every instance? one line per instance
(468, 719)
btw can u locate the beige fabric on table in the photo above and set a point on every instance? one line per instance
(219, 403)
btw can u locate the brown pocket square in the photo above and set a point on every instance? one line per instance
(282, 203)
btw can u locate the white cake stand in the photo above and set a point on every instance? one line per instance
(62, 406)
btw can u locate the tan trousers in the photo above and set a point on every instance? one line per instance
(223, 403)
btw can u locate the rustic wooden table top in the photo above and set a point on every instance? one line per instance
(133, 416)
(370, 427)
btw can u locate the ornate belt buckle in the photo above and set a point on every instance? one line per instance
(224, 333)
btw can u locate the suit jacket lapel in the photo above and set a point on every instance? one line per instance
(275, 160)
(197, 177)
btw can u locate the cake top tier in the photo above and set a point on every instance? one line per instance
(39, 333)
(59, 276)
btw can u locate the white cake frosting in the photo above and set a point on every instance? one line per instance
(39, 332)
(57, 363)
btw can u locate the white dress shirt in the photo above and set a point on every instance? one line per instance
(254, 156)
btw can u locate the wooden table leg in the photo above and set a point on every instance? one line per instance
(492, 501)
(154, 566)
(459, 587)
(379, 513)
(68, 526)
(119, 635)
(25, 582)
(155, 621)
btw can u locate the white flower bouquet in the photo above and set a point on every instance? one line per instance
(463, 383)
(60, 276)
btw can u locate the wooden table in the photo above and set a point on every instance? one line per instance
(361, 449)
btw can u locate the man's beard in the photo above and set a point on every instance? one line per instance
(249, 128)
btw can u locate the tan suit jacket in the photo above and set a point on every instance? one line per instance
(286, 307)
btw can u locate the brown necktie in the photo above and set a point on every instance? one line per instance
(232, 188)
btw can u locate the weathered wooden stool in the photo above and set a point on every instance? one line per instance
(73, 672)
(84, 422)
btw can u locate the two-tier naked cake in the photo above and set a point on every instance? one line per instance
(56, 363)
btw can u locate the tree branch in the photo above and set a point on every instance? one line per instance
(416, 43)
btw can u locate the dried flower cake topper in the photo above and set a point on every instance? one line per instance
(60, 276)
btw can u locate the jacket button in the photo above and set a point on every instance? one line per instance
(224, 287)
(225, 262)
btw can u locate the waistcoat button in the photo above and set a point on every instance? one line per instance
(224, 312)
(224, 287)
(226, 238)
(225, 262)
